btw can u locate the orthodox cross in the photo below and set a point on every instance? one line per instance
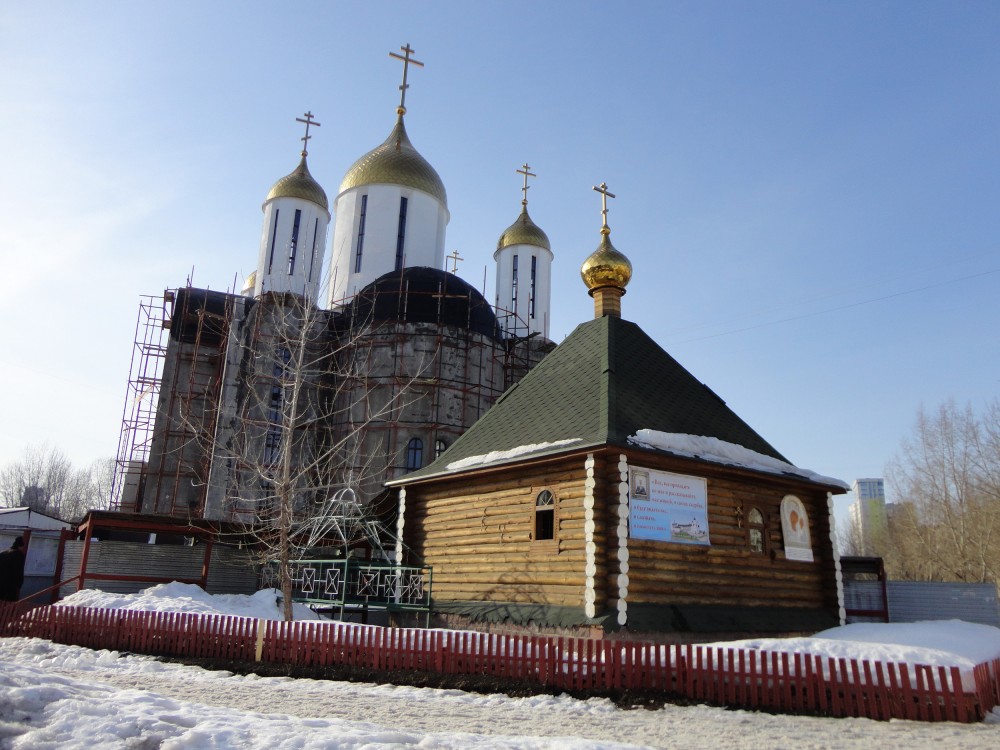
(308, 121)
(526, 171)
(455, 259)
(603, 190)
(407, 61)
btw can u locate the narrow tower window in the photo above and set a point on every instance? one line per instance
(513, 287)
(312, 259)
(414, 454)
(295, 241)
(401, 233)
(531, 295)
(274, 237)
(361, 234)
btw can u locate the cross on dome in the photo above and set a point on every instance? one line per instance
(526, 171)
(305, 139)
(605, 194)
(455, 259)
(407, 61)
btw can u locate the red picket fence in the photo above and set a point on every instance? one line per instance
(792, 683)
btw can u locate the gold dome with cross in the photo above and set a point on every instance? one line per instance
(396, 161)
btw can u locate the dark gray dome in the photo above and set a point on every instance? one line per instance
(424, 295)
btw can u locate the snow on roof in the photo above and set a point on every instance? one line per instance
(719, 451)
(498, 456)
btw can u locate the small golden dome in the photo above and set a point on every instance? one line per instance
(395, 162)
(523, 232)
(606, 266)
(299, 184)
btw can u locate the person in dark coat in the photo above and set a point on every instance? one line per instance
(12, 571)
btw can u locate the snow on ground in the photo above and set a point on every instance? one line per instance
(55, 696)
(187, 597)
(944, 643)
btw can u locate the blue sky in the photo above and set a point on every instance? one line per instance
(809, 192)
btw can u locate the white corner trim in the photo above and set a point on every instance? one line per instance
(590, 559)
(400, 523)
(841, 608)
(623, 510)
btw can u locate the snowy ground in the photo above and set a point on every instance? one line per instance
(55, 696)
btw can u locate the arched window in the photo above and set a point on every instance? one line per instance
(414, 454)
(440, 446)
(545, 516)
(756, 532)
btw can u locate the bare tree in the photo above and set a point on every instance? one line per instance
(296, 462)
(849, 538)
(947, 477)
(44, 479)
(88, 488)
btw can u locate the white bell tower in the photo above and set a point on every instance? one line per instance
(293, 241)
(391, 209)
(524, 273)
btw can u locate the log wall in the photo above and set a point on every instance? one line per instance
(727, 572)
(478, 536)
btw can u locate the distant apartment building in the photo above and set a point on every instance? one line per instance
(868, 515)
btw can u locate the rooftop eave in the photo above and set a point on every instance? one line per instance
(544, 456)
(765, 466)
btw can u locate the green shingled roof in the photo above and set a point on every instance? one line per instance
(605, 382)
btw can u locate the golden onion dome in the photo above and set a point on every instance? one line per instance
(523, 232)
(299, 184)
(606, 266)
(395, 162)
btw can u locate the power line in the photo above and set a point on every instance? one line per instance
(841, 307)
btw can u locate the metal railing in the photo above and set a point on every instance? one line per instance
(356, 585)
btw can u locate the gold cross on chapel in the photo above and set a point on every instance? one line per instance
(455, 259)
(407, 61)
(305, 139)
(605, 194)
(526, 171)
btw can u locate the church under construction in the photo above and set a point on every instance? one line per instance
(349, 380)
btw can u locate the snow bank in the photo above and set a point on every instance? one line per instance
(943, 643)
(939, 643)
(719, 451)
(187, 597)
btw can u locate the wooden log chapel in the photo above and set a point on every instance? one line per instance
(611, 489)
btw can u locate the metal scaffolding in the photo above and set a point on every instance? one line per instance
(433, 337)
(141, 398)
